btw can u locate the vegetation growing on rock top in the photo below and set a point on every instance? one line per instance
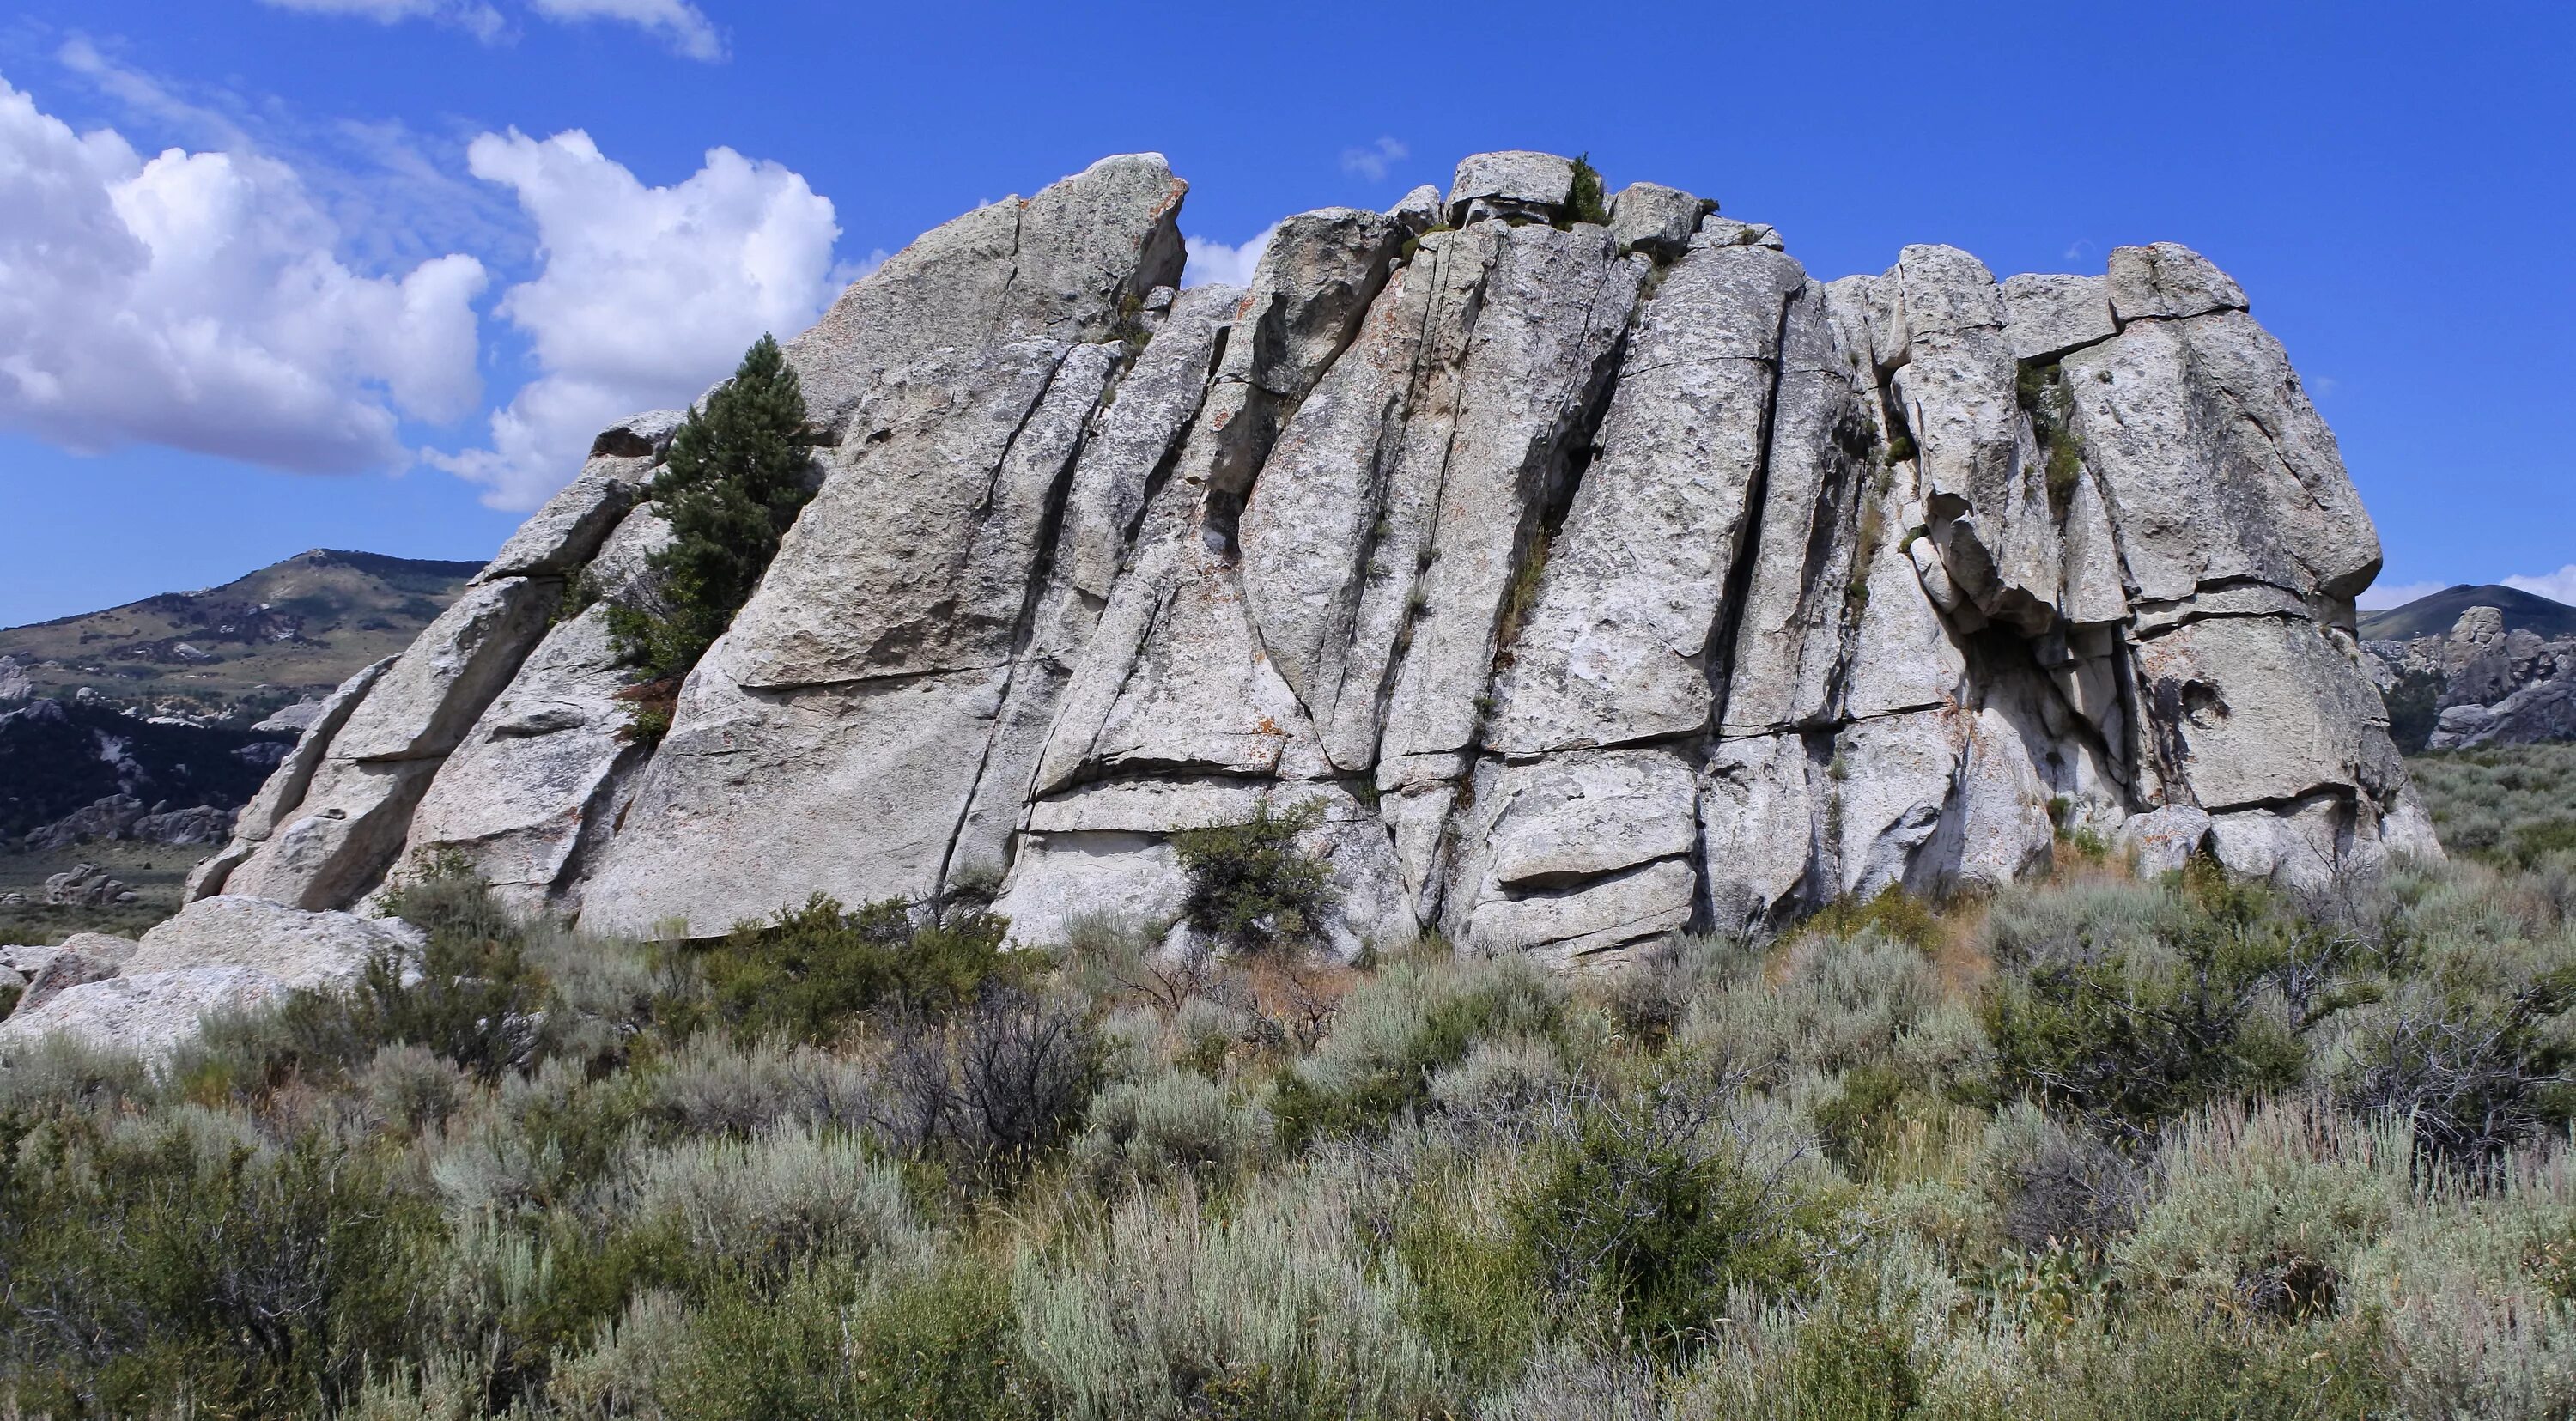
(1585, 201)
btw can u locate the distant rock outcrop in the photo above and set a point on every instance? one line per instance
(78, 771)
(2483, 682)
(1592, 581)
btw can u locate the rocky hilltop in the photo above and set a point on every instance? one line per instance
(2486, 681)
(235, 653)
(1592, 580)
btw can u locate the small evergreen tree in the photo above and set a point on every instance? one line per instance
(1586, 202)
(732, 483)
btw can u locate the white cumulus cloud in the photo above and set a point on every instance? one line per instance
(2559, 586)
(1214, 262)
(1373, 161)
(194, 299)
(645, 295)
(2385, 595)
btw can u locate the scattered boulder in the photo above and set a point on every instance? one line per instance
(86, 885)
(2165, 839)
(1716, 231)
(2047, 316)
(66, 968)
(223, 953)
(1656, 220)
(298, 949)
(2169, 281)
(1530, 186)
(147, 1015)
(112, 817)
(1417, 211)
(203, 824)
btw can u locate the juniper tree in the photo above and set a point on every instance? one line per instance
(1584, 200)
(732, 483)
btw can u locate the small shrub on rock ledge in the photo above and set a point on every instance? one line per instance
(1253, 889)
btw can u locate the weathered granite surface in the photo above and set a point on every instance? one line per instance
(1594, 583)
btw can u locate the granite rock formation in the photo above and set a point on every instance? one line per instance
(221, 953)
(2491, 684)
(1593, 582)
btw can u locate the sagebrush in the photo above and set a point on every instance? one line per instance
(2104, 1148)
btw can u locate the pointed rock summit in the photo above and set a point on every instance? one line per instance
(1590, 582)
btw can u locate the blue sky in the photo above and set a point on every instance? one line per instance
(390, 221)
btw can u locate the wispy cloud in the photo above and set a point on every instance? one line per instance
(396, 196)
(2385, 595)
(2077, 250)
(678, 23)
(150, 99)
(2559, 586)
(472, 16)
(1376, 160)
(1215, 263)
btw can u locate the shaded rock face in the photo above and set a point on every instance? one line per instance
(1593, 582)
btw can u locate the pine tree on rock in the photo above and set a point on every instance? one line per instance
(733, 481)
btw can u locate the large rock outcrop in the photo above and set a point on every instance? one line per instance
(1592, 582)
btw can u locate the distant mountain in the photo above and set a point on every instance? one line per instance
(2433, 616)
(290, 630)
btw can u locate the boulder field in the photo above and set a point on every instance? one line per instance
(1593, 580)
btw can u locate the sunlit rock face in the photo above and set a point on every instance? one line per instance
(1592, 581)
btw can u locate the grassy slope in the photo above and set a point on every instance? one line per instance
(291, 629)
